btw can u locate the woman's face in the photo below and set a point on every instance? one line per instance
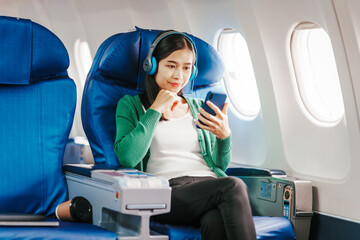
(175, 70)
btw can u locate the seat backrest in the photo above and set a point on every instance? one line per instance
(37, 104)
(117, 71)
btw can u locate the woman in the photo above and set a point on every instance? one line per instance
(156, 133)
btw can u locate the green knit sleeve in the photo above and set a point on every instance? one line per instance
(133, 132)
(217, 152)
(221, 154)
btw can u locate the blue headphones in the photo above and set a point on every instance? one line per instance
(150, 65)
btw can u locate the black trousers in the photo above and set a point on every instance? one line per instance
(219, 206)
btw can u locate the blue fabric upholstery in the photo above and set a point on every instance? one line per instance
(276, 228)
(19, 39)
(37, 104)
(176, 232)
(35, 118)
(117, 71)
(65, 231)
(15, 43)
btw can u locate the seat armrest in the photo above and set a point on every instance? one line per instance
(242, 170)
(119, 196)
(273, 193)
(85, 169)
(80, 169)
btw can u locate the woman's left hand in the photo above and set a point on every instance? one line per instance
(218, 124)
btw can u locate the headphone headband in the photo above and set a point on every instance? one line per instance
(150, 65)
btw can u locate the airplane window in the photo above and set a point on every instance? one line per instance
(239, 75)
(316, 73)
(83, 59)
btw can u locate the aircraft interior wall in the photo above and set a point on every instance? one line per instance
(324, 154)
(283, 135)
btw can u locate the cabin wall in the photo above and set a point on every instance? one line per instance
(283, 134)
(327, 155)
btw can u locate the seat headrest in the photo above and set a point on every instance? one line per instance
(29, 52)
(122, 55)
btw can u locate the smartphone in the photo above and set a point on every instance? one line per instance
(216, 98)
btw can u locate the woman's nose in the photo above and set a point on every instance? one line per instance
(177, 73)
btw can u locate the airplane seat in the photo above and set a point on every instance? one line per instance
(37, 105)
(117, 71)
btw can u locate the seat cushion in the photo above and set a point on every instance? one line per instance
(278, 228)
(266, 228)
(176, 232)
(66, 230)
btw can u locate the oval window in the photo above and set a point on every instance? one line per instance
(239, 73)
(83, 59)
(316, 73)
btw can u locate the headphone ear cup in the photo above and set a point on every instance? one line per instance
(194, 73)
(153, 66)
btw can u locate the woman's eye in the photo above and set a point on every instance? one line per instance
(171, 66)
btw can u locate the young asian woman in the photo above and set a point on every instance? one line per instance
(156, 133)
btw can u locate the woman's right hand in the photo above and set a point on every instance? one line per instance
(164, 101)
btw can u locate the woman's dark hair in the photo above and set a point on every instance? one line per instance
(163, 49)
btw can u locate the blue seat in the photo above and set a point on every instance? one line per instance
(266, 228)
(117, 71)
(37, 104)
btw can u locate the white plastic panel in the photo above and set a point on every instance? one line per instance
(327, 156)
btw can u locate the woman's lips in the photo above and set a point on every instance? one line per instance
(175, 84)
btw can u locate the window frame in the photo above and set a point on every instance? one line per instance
(241, 109)
(82, 67)
(312, 111)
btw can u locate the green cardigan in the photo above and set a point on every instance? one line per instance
(135, 129)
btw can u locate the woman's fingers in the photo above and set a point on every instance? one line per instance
(206, 121)
(209, 117)
(218, 124)
(165, 100)
(224, 110)
(214, 107)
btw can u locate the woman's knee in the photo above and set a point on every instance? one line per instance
(235, 187)
(236, 183)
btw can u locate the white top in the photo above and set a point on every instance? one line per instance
(175, 150)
